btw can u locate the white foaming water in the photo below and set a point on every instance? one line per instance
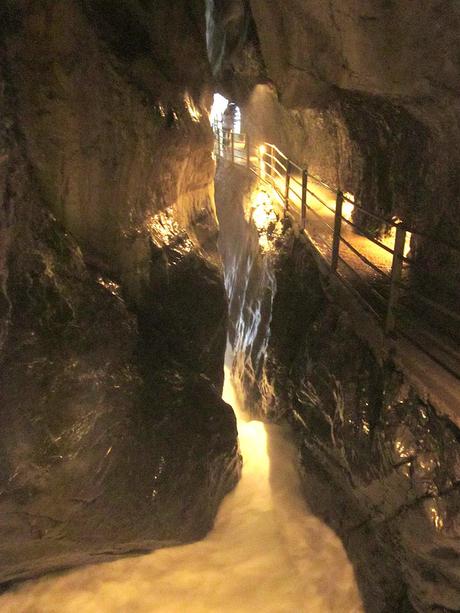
(266, 554)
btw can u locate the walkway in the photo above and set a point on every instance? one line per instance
(266, 554)
(377, 271)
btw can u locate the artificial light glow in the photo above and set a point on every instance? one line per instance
(192, 108)
(407, 243)
(262, 166)
(398, 222)
(347, 210)
(348, 207)
(219, 105)
(261, 198)
(265, 219)
(262, 211)
(390, 238)
(262, 217)
(217, 110)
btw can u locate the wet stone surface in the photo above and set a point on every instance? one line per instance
(104, 450)
(379, 464)
(113, 435)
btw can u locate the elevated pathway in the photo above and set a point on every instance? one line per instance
(421, 333)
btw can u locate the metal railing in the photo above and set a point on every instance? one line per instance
(379, 273)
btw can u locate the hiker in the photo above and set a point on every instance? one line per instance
(228, 120)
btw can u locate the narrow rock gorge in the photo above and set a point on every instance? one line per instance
(130, 255)
(366, 98)
(113, 312)
(379, 463)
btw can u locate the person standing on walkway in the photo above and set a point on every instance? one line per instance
(228, 122)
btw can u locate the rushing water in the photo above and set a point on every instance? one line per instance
(266, 554)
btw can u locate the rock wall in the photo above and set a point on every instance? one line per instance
(378, 462)
(113, 313)
(233, 47)
(372, 95)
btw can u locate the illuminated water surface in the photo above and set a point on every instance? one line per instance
(266, 554)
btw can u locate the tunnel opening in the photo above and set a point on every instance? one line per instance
(219, 107)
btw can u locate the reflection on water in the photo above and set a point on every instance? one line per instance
(266, 554)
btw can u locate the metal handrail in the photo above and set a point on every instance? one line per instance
(364, 259)
(369, 236)
(321, 201)
(276, 149)
(267, 156)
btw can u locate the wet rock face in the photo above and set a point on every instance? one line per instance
(398, 459)
(114, 438)
(310, 47)
(111, 138)
(233, 47)
(369, 99)
(378, 463)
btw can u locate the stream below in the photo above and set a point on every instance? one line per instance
(267, 553)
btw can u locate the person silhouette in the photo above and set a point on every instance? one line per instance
(228, 122)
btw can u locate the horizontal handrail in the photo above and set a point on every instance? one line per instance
(369, 236)
(321, 201)
(272, 146)
(364, 259)
(296, 180)
(376, 216)
(316, 214)
(299, 168)
(440, 307)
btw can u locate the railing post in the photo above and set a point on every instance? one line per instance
(268, 161)
(288, 185)
(303, 209)
(226, 143)
(260, 162)
(232, 144)
(396, 274)
(248, 151)
(337, 231)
